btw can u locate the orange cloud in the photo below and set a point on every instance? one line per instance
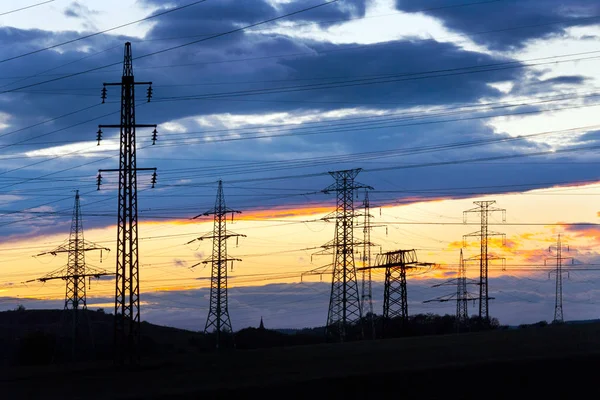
(586, 232)
(252, 215)
(456, 245)
(534, 256)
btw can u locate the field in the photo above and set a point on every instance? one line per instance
(531, 361)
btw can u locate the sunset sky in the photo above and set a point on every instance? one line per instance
(440, 103)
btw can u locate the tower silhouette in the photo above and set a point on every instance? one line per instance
(558, 302)
(461, 296)
(344, 302)
(127, 283)
(75, 323)
(218, 320)
(395, 295)
(484, 208)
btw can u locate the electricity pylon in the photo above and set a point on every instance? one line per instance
(558, 304)
(367, 278)
(395, 296)
(127, 284)
(218, 320)
(75, 274)
(462, 295)
(344, 301)
(484, 208)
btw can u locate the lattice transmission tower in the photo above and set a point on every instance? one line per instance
(558, 259)
(75, 324)
(396, 264)
(127, 285)
(462, 295)
(367, 276)
(484, 208)
(218, 320)
(344, 302)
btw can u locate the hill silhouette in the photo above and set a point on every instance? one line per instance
(425, 367)
(30, 337)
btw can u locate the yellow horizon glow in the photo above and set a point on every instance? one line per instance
(271, 251)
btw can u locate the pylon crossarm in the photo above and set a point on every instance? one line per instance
(454, 281)
(451, 282)
(472, 234)
(211, 236)
(224, 211)
(211, 260)
(56, 274)
(120, 83)
(59, 249)
(324, 270)
(442, 299)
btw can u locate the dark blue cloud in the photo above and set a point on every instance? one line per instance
(253, 61)
(539, 18)
(229, 13)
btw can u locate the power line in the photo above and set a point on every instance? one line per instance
(391, 78)
(347, 48)
(100, 32)
(164, 50)
(25, 8)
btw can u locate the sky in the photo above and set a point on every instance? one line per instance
(440, 103)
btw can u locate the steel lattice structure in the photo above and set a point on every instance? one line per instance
(344, 301)
(484, 208)
(558, 303)
(218, 319)
(462, 295)
(74, 275)
(127, 289)
(396, 264)
(367, 278)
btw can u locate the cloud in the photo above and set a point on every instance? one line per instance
(347, 124)
(180, 263)
(584, 231)
(78, 10)
(534, 19)
(517, 300)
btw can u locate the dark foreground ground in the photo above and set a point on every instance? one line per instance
(556, 361)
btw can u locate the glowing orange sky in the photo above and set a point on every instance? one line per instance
(271, 252)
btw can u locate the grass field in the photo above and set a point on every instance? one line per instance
(525, 361)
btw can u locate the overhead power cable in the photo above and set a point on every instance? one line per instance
(348, 48)
(363, 79)
(163, 50)
(25, 8)
(391, 78)
(101, 32)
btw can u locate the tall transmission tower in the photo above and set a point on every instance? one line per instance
(75, 274)
(218, 320)
(558, 303)
(367, 278)
(344, 301)
(367, 287)
(462, 295)
(484, 208)
(127, 285)
(395, 296)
